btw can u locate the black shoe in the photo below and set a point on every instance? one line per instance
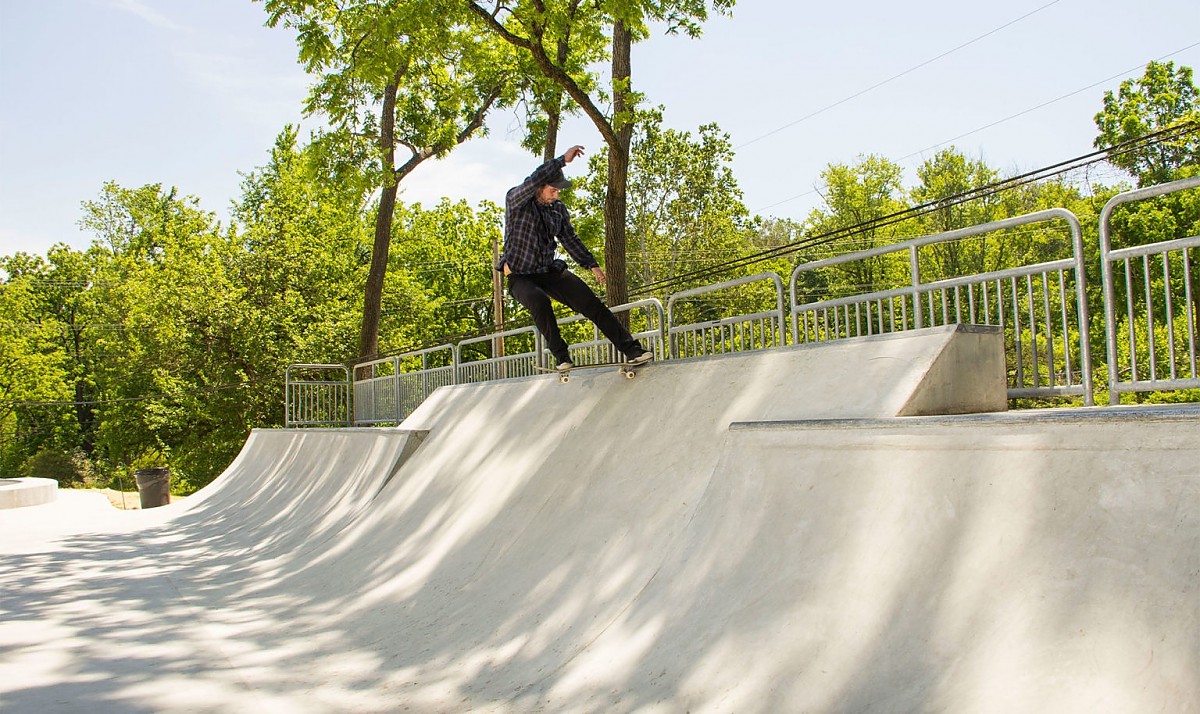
(641, 357)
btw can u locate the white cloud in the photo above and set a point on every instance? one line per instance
(476, 171)
(244, 87)
(455, 180)
(140, 9)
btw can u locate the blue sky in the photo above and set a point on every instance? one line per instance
(189, 94)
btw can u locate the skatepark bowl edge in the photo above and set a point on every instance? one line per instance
(717, 535)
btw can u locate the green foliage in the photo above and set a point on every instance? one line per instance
(69, 469)
(1162, 98)
(686, 211)
(859, 201)
(171, 334)
(167, 340)
(302, 255)
(445, 255)
(34, 367)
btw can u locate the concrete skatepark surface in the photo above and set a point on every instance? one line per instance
(753, 533)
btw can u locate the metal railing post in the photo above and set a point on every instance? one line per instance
(778, 320)
(1108, 256)
(922, 296)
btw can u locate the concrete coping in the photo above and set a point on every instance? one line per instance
(21, 492)
(1061, 415)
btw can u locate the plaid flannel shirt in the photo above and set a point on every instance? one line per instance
(530, 228)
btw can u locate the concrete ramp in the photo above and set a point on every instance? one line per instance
(284, 483)
(620, 545)
(98, 612)
(534, 516)
(288, 487)
(1025, 564)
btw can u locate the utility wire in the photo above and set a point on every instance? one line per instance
(981, 192)
(906, 214)
(830, 236)
(898, 76)
(1001, 121)
(1046, 104)
(127, 400)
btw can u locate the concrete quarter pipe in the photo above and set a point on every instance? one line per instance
(753, 533)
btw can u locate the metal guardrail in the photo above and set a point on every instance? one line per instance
(376, 392)
(647, 324)
(502, 366)
(418, 378)
(1159, 294)
(737, 333)
(387, 390)
(1042, 308)
(316, 401)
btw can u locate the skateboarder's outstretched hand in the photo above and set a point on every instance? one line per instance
(572, 153)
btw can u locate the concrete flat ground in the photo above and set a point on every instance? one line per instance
(761, 532)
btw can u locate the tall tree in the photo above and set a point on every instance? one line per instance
(1163, 97)
(399, 73)
(535, 26)
(35, 370)
(686, 211)
(943, 179)
(856, 198)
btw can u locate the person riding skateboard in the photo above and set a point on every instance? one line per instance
(534, 219)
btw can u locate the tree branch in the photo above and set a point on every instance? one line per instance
(420, 155)
(555, 73)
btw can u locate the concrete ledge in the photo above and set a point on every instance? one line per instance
(1127, 414)
(967, 376)
(21, 492)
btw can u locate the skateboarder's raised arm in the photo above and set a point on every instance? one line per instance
(525, 191)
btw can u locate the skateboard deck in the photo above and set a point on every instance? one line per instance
(627, 369)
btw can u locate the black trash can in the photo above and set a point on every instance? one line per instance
(154, 486)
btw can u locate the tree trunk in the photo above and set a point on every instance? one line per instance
(368, 339)
(615, 203)
(553, 124)
(554, 106)
(368, 342)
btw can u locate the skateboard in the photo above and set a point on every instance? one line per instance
(627, 369)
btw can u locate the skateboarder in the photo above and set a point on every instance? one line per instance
(533, 219)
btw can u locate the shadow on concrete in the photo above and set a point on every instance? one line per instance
(611, 544)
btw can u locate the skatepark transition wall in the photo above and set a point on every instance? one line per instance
(793, 530)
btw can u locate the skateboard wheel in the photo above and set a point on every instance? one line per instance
(564, 379)
(629, 374)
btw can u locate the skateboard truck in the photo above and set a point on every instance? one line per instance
(625, 368)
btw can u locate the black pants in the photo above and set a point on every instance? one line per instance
(535, 291)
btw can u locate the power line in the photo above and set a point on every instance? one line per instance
(898, 76)
(1001, 121)
(981, 192)
(1046, 104)
(978, 193)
